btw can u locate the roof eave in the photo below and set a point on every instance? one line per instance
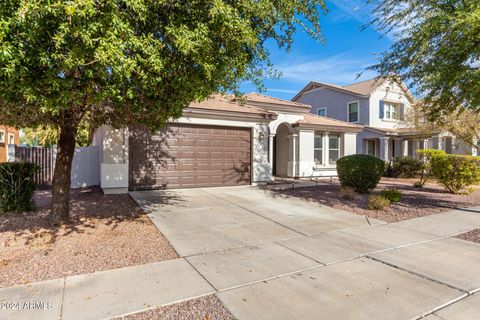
(331, 128)
(267, 116)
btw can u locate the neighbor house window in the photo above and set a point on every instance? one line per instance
(2, 136)
(318, 149)
(353, 115)
(371, 148)
(392, 111)
(322, 112)
(11, 138)
(333, 149)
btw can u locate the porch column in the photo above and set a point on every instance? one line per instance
(294, 156)
(384, 148)
(405, 148)
(416, 146)
(440, 143)
(454, 145)
(474, 150)
(270, 152)
(326, 147)
(425, 144)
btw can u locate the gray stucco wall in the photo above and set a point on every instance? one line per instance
(336, 103)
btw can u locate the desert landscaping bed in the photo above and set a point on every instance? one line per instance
(106, 232)
(473, 236)
(415, 202)
(208, 308)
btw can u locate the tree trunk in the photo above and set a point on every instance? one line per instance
(61, 176)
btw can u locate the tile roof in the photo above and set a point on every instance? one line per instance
(311, 119)
(365, 87)
(396, 131)
(261, 98)
(226, 103)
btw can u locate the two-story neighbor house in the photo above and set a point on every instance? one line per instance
(381, 105)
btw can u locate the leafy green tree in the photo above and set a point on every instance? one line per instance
(436, 47)
(47, 136)
(128, 62)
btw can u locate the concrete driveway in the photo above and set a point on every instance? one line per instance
(271, 257)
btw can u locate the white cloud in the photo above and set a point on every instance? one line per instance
(276, 90)
(338, 69)
(362, 12)
(356, 9)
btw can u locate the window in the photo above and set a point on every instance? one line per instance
(371, 148)
(392, 111)
(318, 149)
(333, 149)
(353, 112)
(322, 112)
(2, 136)
(11, 138)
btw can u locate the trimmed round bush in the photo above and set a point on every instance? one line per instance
(456, 172)
(426, 156)
(359, 171)
(406, 167)
(17, 186)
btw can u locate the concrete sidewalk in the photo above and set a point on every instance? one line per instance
(106, 294)
(270, 257)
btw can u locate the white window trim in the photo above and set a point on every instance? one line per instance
(2, 137)
(398, 103)
(317, 149)
(358, 112)
(323, 108)
(339, 149)
(13, 137)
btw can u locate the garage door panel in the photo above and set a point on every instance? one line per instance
(184, 156)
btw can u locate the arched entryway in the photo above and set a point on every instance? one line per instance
(282, 149)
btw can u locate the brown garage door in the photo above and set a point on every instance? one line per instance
(184, 156)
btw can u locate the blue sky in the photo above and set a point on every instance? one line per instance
(348, 51)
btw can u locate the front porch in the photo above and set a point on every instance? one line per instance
(298, 151)
(388, 147)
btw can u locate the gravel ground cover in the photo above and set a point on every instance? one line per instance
(415, 202)
(473, 236)
(204, 308)
(105, 232)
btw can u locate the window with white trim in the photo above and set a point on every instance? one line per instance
(333, 149)
(318, 149)
(322, 112)
(392, 110)
(2, 136)
(11, 138)
(353, 112)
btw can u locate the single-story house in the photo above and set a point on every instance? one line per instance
(224, 141)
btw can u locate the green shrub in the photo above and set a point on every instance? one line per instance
(392, 195)
(17, 186)
(426, 158)
(418, 184)
(388, 170)
(361, 172)
(348, 193)
(406, 167)
(456, 172)
(376, 202)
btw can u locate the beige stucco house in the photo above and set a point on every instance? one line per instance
(225, 141)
